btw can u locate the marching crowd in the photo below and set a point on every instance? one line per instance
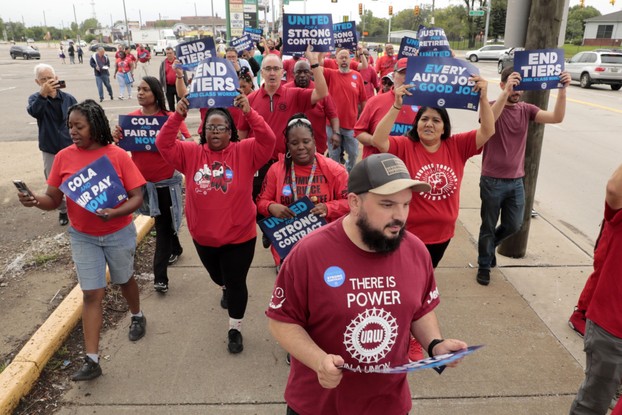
(359, 293)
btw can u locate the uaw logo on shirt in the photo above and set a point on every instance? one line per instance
(441, 178)
(370, 336)
(217, 177)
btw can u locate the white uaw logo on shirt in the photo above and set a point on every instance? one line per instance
(371, 335)
(441, 178)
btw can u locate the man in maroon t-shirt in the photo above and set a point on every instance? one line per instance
(350, 294)
(501, 183)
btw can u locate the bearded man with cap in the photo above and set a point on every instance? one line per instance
(350, 294)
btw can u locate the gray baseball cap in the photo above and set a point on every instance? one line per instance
(383, 174)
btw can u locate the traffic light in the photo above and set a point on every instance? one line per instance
(333, 1)
(613, 2)
(417, 10)
(582, 3)
(360, 9)
(390, 10)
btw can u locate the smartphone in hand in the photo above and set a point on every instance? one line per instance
(61, 84)
(21, 186)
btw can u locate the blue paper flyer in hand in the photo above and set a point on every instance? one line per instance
(437, 362)
(191, 53)
(284, 233)
(408, 47)
(345, 35)
(300, 30)
(441, 83)
(539, 69)
(215, 84)
(96, 186)
(139, 131)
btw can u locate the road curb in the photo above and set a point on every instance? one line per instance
(21, 374)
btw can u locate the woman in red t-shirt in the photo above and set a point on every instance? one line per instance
(163, 191)
(432, 154)
(107, 237)
(325, 181)
(123, 74)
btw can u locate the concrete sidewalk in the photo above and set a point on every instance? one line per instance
(532, 362)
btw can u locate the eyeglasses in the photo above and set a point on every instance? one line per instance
(271, 68)
(217, 128)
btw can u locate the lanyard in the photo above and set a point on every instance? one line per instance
(308, 190)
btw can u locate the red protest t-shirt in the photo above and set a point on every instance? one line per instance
(385, 64)
(348, 92)
(71, 159)
(358, 305)
(276, 110)
(605, 308)
(150, 163)
(375, 110)
(432, 215)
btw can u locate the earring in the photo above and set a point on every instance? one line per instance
(287, 155)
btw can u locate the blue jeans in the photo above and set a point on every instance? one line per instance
(499, 196)
(349, 144)
(102, 80)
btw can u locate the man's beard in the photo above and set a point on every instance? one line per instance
(375, 239)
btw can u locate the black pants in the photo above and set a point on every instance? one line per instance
(228, 267)
(167, 241)
(171, 97)
(437, 251)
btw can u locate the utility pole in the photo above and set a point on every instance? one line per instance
(543, 30)
(75, 19)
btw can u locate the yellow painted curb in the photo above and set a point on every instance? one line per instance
(18, 377)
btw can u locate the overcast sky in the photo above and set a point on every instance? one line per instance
(59, 12)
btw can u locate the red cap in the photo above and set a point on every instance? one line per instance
(401, 64)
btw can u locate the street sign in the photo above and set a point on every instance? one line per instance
(476, 12)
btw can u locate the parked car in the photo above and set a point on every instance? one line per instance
(490, 52)
(596, 68)
(107, 47)
(507, 59)
(26, 52)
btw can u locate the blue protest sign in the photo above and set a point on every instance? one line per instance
(284, 233)
(539, 69)
(344, 35)
(433, 42)
(255, 34)
(242, 43)
(408, 47)
(139, 132)
(215, 84)
(441, 83)
(192, 52)
(96, 186)
(299, 30)
(436, 363)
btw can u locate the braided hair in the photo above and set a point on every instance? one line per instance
(96, 117)
(158, 92)
(296, 120)
(227, 115)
